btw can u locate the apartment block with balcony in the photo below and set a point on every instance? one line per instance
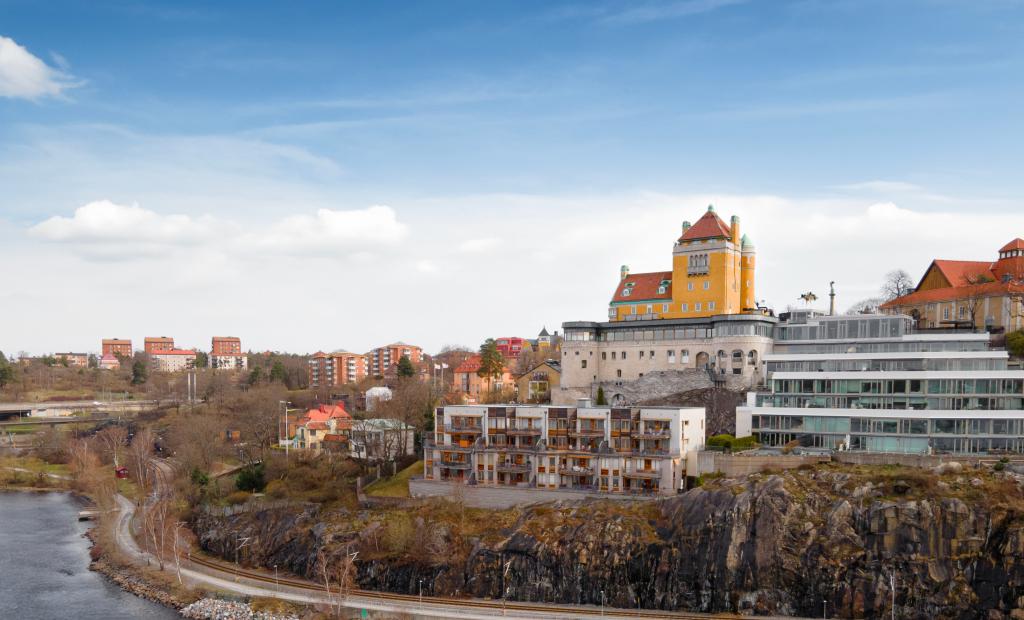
(175, 360)
(383, 358)
(226, 353)
(872, 383)
(74, 360)
(337, 368)
(643, 450)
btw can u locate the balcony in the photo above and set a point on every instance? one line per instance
(514, 467)
(576, 471)
(455, 428)
(648, 474)
(653, 434)
(454, 447)
(586, 432)
(457, 464)
(524, 432)
(650, 452)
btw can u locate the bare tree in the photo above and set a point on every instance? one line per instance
(114, 439)
(897, 284)
(139, 453)
(974, 296)
(866, 306)
(157, 520)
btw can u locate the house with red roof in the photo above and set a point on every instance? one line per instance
(712, 274)
(473, 387)
(317, 424)
(969, 294)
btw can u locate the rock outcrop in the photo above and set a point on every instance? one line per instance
(783, 544)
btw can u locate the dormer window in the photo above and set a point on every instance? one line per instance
(626, 291)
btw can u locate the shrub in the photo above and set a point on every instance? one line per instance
(238, 497)
(731, 443)
(1015, 343)
(276, 489)
(251, 478)
(1000, 466)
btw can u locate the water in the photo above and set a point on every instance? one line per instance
(44, 565)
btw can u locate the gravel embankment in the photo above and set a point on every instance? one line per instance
(212, 609)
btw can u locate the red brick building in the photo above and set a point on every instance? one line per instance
(383, 358)
(337, 368)
(511, 346)
(155, 344)
(226, 353)
(117, 347)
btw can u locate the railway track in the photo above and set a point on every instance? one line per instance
(514, 607)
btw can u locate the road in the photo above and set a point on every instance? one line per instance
(230, 578)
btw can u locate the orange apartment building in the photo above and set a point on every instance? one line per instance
(337, 368)
(382, 358)
(155, 344)
(117, 347)
(473, 386)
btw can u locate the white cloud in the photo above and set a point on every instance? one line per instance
(105, 230)
(476, 246)
(334, 232)
(107, 225)
(25, 76)
(881, 186)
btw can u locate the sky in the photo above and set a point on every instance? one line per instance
(322, 175)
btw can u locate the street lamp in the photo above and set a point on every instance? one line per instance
(277, 585)
(602, 602)
(284, 412)
(421, 592)
(239, 543)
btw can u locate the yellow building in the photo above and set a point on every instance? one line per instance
(712, 274)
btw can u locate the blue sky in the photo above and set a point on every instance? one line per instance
(245, 144)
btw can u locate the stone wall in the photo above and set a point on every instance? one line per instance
(733, 465)
(653, 385)
(498, 498)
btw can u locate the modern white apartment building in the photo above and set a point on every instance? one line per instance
(616, 450)
(870, 383)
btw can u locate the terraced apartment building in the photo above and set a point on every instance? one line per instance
(640, 450)
(872, 383)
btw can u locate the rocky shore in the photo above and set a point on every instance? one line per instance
(213, 609)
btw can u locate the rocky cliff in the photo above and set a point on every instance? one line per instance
(785, 544)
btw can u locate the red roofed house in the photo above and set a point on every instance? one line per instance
(319, 423)
(985, 295)
(472, 385)
(712, 274)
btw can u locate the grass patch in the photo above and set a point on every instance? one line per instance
(128, 488)
(397, 485)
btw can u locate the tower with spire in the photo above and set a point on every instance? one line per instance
(713, 270)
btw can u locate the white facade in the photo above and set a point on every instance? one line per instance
(173, 361)
(615, 450)
(229, 362)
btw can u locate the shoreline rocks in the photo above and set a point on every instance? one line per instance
(214, 609)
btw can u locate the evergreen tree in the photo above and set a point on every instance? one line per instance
(6, 371)
(492, 364)
(601, 401)
(405, 367)
(1015, 343)
(277, 372)
(202, 359)
(138, 372)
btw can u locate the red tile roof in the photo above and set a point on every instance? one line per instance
(644, 287)
(988, 289)
(1016, 244)
(471, 365)
(959, 272)
(709, 226)
(174, 352)
(323, 413)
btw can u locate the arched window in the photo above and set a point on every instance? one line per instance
(702, 360)
(752, 358)
(684, 356)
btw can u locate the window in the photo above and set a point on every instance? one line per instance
(696, 307)
(652, 354)
(618, 373)
(613, 354)
(626, 292)
(686, 307)
(632, 309)
(711, 305)
(945, 313)
(707, 284)
(604, 355)
(650, 308)
(963, 312)
(583, 363)
(684, 356)
(641, 355)
(664, 307)
(689, 286)
(623, 355)
(671, 357)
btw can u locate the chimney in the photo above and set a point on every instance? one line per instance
(623, 272)
(686, 227)
(736, 230)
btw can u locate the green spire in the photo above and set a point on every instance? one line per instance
(711, 208)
